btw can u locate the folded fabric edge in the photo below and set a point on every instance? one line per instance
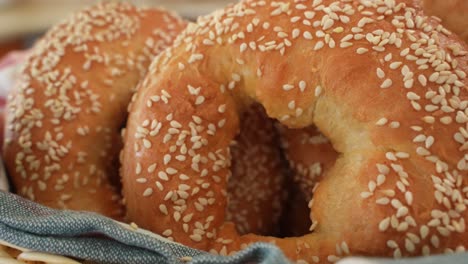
(28, 219)
(100, 250)
(108, 251)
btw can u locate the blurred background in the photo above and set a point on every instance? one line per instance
(21, 21)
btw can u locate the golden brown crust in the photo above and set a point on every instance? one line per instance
(384, 82)
(453, 14)
(65, 114)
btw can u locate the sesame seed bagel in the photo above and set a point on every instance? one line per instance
(256, 188)
(65, 114)
(382, 80)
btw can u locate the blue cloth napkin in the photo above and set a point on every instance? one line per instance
(93, 237)
(90, 236)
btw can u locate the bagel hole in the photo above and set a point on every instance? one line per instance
(293, 217)
(309, 155)
(255, 188)
(114, 165)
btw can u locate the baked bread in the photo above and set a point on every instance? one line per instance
(66, 111)
(382, 80)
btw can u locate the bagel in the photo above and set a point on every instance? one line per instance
(65, 113)
(382, 80)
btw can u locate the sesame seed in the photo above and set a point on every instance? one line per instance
(163, 209)
(380, 179)
(389, 192)
(195, 57)
(222, 108)
(167, 158)
(176, 216)
(295, 33)
(412, 96)
(200, 99)
(148, 192)
(345, 44)
(318, 90)
(338, 30)
(383, 169)
(395, 65)
(309, 14)
(380, 73)
(382, 121)
(167, 232)
(302, 86)
(318, 45)
(171, 171)
(236, 77)
(163, 176)
(328, 24)
(316, 3)
(446, 120)
(409, 246)
(396, 203)
(422, 151)
(386, 84)
(152, 167)
(159, 185)
(402, 211)
(307, 35)
(361, 50)
(383, 201)
(146, 143)
(196, 237)
(402, 155)
(435, 241)
(183, 177)
(288, 87)
(395, 124)
(392, 244)
(390, 156)
(138, 168)
(141, 180)
(187, 218)
(429, 141)
(371, 186)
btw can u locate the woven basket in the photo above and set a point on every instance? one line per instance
(11, 254)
